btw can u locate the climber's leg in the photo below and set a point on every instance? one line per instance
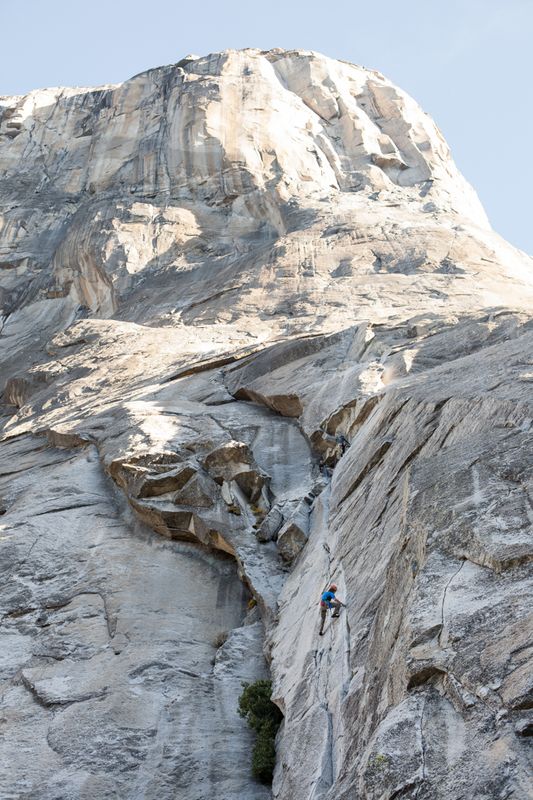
(337, 605)
(323, 614)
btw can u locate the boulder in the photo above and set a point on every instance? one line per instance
(294, 533)
(269, 527)
(228, 460)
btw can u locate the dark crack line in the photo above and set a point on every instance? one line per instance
(4, 320)
(30, 550)
(24, 560)
(28, 685)
(423, 749)
(53, 704)
(373, 462)
(35, 450)
(65, 508)
(444, 599)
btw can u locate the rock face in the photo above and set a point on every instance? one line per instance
(210, 275)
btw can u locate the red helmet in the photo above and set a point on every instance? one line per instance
(333, 587)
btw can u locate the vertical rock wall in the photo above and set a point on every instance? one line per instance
(208, 275)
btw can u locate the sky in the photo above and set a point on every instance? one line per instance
(468, 63)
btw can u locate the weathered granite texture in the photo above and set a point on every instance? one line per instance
(207, 275)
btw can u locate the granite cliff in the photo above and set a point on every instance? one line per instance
(207, 275)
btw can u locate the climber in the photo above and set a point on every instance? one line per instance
(327, 601)
(343, 443)
(325, 469)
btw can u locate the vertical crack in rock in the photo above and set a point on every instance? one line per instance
(422, 750)
(443, 604)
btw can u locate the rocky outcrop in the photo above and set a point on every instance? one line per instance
(257, 335)
(427, 531)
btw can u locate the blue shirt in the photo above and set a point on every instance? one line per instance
(327, 597)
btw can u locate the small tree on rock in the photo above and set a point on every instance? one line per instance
(264, 718)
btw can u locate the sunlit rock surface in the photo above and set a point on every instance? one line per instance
(207, 275)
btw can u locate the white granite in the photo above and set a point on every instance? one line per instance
(207, 274)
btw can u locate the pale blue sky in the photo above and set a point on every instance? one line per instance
(467, 62)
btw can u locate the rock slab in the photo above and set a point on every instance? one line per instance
(256, 335)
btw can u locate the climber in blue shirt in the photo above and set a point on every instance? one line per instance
(327, 601)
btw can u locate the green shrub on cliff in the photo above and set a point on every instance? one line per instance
(264, 718)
